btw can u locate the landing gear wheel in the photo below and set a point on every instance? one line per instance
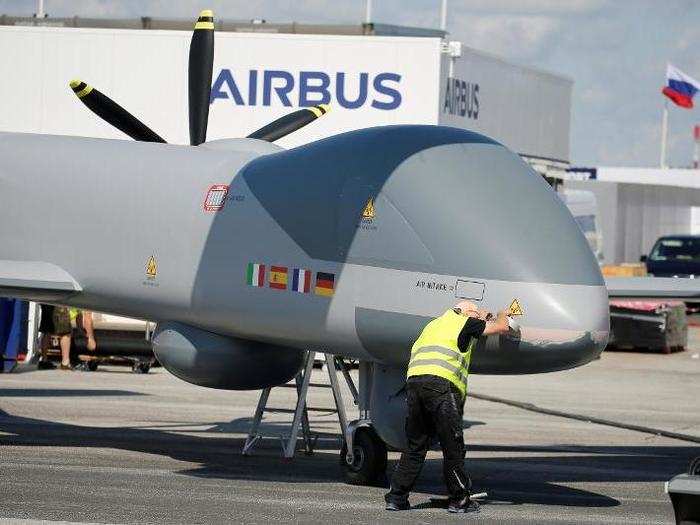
(141, 368)
(91, 366)
(694, 468)
(369, 459)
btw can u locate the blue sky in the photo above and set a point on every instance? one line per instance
(615, 50)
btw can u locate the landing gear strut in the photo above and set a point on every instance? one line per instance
(363, 457)
(367, 463)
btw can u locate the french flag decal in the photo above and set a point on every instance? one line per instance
(680, 88)
(301, 280)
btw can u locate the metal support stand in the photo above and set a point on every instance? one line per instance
(301, 410)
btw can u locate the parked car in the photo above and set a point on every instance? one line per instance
(674, 256)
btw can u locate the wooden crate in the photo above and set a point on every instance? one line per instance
(624, 270)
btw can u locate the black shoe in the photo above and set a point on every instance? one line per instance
(392, 505)
(463, 506)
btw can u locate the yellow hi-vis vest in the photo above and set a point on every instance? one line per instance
(436, 352)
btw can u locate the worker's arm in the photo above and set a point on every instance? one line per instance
(499, 326)
(473, 327)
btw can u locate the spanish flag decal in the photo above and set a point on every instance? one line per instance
(278, 277)
(325, 284)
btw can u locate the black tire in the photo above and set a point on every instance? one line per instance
(370, 459)
(694, 467)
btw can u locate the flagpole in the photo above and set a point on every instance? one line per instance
(664, 135)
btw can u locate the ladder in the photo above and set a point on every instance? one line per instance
(302, 383)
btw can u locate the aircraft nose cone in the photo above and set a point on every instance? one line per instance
(563, 326)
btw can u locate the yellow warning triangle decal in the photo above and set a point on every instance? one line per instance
(151, 267)
(514, 308)
(368, 212)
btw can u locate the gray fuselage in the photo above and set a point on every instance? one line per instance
(452, 215)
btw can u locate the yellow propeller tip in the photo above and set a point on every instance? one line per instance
(80, 88)
(325, 107)
(205, 20)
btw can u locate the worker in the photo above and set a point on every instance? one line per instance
(55, 321)
(436, 389)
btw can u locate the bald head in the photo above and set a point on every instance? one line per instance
(466, 306)
(469, 309)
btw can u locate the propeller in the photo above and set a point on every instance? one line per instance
(109, 110)
(199, 70)
(289, 123)
(201, 63)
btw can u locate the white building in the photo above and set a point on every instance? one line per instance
(638, 205)
(369, 80)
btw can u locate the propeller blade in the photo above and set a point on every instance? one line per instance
(289, 123)
(105, 108)
(200, 71)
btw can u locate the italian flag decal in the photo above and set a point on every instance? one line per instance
(255, 275)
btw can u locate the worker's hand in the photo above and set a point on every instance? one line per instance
(497, 326)
(513, 324)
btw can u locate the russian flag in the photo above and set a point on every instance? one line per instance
(680, 87)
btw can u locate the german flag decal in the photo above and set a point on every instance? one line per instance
(325, 284)
(278, 277)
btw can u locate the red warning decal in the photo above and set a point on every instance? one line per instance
(216, 197)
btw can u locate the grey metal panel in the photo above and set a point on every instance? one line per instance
(526, 109)
(302, 188)
(37, 281)
(308, 203)
(505, 354)
(653, 287)
(388, 336)
(684, 484)
(388, 239)
(36, 274)
(138, 200)
(209, 359)
(135, 200)
(496, 218)
(388, 404)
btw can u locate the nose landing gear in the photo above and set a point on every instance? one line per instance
(363, 457)
(367, 463)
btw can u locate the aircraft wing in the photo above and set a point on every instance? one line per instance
(653, 288)
(36, 280)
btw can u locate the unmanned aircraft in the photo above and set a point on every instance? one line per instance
(247, 255)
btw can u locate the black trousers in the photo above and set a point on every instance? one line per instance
(435, 406)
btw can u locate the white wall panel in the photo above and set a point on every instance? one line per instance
(633, 216)
(146, 72)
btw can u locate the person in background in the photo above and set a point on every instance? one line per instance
(83, 319)
(55, 321)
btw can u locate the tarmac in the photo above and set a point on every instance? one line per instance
(115, 447)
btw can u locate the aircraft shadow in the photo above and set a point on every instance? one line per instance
(511, 475)
(276, 428)
(64, 392)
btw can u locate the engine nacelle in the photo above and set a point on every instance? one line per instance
(212, 360)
